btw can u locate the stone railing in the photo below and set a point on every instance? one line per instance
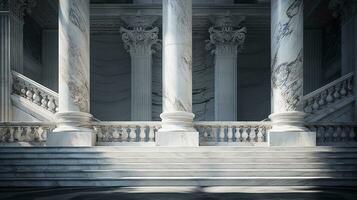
(335, 134)
(23, 132)
(34, 92)
(333, 92)
(126, 132)
(213, 133)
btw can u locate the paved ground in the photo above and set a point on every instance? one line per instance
(179, 193)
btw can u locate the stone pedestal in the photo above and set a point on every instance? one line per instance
(140, 39)
(177, 113)
(226, 38)
(287, 75)
(74, 56)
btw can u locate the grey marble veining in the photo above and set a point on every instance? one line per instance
(74, 56)
(177, 55)
(287, 55)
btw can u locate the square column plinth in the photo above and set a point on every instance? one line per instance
(293, 138)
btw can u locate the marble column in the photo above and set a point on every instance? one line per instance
(312, 60)
(287, 76)
(50, 58)
(141, 40)
(177, 128)
(11, 43)
(226, 38)
(74, 57)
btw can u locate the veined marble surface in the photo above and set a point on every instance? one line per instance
(177, 55)
(287, 55)
(74, 55)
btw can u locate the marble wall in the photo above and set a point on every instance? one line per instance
(110, 79)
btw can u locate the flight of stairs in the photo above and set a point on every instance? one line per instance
(163, 166)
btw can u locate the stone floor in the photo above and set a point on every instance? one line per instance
(179, 193)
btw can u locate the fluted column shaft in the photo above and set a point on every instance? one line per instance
(226, 39)
(11, 52)
(177, 128)
(74, 58)
(139, 39)
(5, 69)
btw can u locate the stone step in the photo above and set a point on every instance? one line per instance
(106, 149)
(176, 165)
(121, 173)
(232, 155)
(20, 161)
(181, 181)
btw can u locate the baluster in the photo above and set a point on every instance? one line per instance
(237, 134)
(320, 134)
(2, 134)
(344, 133)
(252, 134)
(36, 97)
(343, 90)
(18, 133)
(308, 106)
(221, 134)
(44, 101)
(206, 133)
(260, 134)
(115, 134)
(27, 137)
(152, 133)
(29, 94)
(336, 94)
(245, 133)
(11, 130)
(315, 105)
(132, 134)
(230, 134)
(51, 105)
(337, 133)
(329, 97)
(142, 134)
(99, 133)
(213, 134)
(329, 133)
(350, 85)
(322, 98)
(124, 133)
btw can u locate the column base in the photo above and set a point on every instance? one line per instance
(289, 130)
(187, 139)
(177, 130)
(73, 130)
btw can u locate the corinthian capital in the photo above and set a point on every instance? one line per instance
(225, 35)
(140, 36)
(17, 8)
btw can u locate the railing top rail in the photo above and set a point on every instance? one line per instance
(332, 124)
(126, 123)
(35, 84)
(15, 124)
(317, 91)
(232, 123)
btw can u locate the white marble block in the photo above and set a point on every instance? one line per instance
(294, 138)
(177, 139)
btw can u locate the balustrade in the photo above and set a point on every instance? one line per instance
(331, 93)
(24, 132)
(34, 92)
(334, 133)
(232, 132)
(126, 131)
